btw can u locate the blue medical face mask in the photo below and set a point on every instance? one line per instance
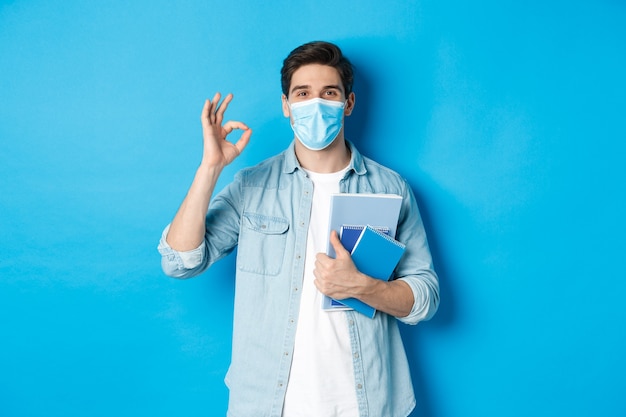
(317, 122)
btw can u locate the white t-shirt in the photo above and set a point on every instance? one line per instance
(321, 382)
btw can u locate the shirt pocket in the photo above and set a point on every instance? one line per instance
(262, 243)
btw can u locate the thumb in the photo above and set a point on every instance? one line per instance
(339, 249)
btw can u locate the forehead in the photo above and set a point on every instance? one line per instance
(315, 76)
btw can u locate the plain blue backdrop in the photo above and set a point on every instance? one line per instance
(507, 118)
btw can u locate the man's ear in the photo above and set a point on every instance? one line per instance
(286, 110)
(347, 110)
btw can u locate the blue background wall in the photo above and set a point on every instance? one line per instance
(506, 117)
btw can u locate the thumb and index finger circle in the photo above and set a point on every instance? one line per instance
(233, 125)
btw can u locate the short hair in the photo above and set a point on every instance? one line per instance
(317, 52)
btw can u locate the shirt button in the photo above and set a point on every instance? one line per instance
(356, 355)
(359, 386)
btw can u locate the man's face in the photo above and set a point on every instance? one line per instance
(316, 81)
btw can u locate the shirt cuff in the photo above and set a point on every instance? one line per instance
(185, 259)
(423, 308)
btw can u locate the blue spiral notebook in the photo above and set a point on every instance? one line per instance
(349, 234)
(376, 254)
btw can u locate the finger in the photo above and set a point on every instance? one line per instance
(245, 137)
(317, 274)
(205, 111)
(232, 125)
(339, 249)
(219, 113)
(213, 108)
(208, 111)
(322, 259)
(243, 141)
(321, 287)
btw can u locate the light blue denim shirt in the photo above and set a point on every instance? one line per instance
(265, 211)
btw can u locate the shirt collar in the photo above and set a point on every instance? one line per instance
(291, 162)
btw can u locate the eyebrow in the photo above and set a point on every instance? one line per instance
(327, 87)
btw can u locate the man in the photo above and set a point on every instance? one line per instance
(290, 357)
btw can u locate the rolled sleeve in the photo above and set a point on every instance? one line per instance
(180, 264)
(425, 296)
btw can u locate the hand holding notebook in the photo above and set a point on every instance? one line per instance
(375, 254)
(351, 213)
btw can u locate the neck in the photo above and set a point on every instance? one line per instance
(332, 159)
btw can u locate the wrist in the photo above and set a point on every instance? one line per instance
(209, 170)
(368, 285)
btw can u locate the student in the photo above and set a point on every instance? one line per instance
(290, 357)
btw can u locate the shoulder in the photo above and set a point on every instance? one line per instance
(263, 174)
(375, 177)
(379, 169)
(385, 176)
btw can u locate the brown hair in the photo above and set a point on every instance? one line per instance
(317, 52)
